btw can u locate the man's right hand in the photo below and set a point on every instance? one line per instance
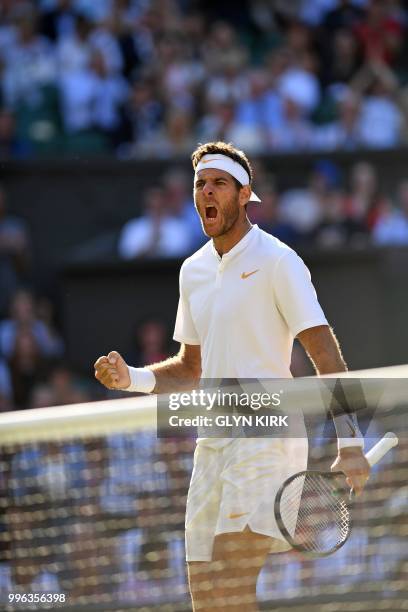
(111, 370)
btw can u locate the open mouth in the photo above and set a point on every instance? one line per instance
(211, 212)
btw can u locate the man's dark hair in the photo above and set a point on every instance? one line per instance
(223, 148)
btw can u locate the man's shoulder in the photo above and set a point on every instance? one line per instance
(271, 247)
(198, 258)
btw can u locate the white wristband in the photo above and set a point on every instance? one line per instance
(142, 380)
(344, 442)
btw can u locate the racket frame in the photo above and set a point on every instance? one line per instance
(281, 525)
(374, 455)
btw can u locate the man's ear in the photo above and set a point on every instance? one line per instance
(244, 194)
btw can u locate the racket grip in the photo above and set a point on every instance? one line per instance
(381, 448)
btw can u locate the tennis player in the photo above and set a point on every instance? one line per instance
(244, 297)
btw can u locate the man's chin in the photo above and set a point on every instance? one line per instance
(212, 232)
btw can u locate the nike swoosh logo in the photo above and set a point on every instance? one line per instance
(207, 161)
(234, 516)
(248, 274)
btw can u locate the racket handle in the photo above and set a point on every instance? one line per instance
(381, 448)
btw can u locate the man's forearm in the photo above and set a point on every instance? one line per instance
(329, 362)
(174, 374)
(323, 349)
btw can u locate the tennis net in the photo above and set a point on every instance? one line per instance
(92, 511)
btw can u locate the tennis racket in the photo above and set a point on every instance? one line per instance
(312, 509)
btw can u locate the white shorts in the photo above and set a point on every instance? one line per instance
(235, 486)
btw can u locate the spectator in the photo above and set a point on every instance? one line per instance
(380, 33)
(224, 53)
(303, 208)
(29, 62)
(365, 202)
(335, 229)
(74, 51)
(381, 121)
(59, 21)
(144, 117)
(135, 37)
(11, 146)
(341, 59)
(64, 388)
(174, 140)
(103, 40)
(295, 131)
(299, 82)
(392, 225)
(110, 93)
(260, 110)
(268, 216)
(180, 202)
(151, 342)
(27, 366)
(46, 314)
(8, 33)
(91, 96)
(23, 319)
(41, 396)
(14, 253)
(178, 72)
(221, 124)
(345, 16)
(156, 233)
(345, 132)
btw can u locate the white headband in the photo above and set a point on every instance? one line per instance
(223, 162)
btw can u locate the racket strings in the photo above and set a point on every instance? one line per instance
(324, 510)
(315, 516)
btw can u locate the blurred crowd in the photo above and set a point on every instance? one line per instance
(34, 371)
(151, 78)
(332, 210)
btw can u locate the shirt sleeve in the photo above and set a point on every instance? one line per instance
(184, 329)
(295, 295)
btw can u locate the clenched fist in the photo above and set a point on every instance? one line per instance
(111, 370)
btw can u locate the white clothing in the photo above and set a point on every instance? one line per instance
(301, 87)
(73, 55)
(391, 229)
(136, 236)
(380, 123)
(89, 101)
(235, 486)
(245, 308)
(300, 208)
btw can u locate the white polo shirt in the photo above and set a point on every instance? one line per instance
(245, 308)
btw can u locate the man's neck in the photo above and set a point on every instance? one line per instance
(227, 241)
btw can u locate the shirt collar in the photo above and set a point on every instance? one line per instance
(238, 248)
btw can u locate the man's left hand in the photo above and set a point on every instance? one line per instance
(352, 462)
